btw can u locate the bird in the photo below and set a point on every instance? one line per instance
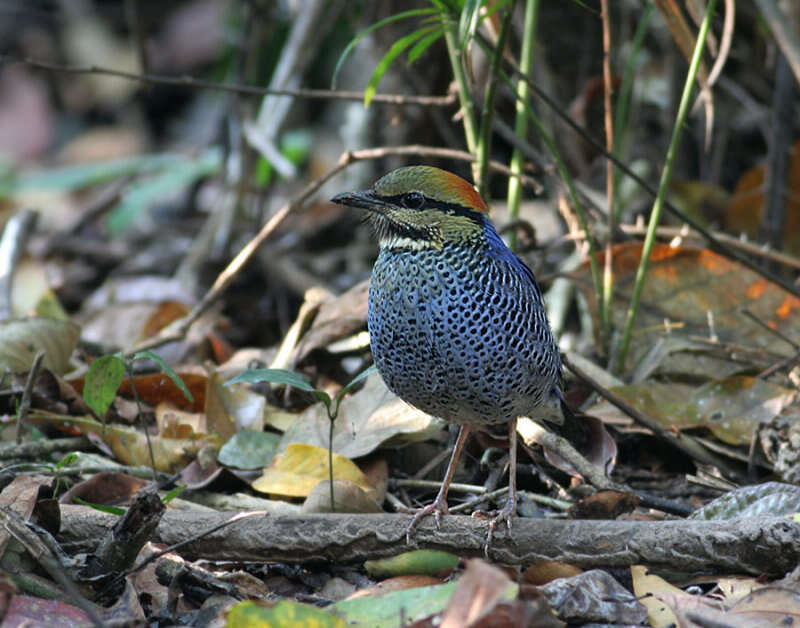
(456, 320)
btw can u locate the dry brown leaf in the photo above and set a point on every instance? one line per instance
(480, 589)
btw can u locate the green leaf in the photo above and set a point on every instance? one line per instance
(102, 382)
(423, 44)
(428, 562)
(363, 375)
(66, 461)
(468, 23)
(279, 376)
(444, 8)
(166, 369)
(412, 605)
(296, 145)
(173, 494)
(249, 449)
(112, 510)
(285, 613)
(263, 172)
(397, 48)
(387, 20)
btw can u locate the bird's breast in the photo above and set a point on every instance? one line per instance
(460, 335)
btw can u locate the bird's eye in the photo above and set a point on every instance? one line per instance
(412, 200)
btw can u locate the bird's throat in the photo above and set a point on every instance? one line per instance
(398, 242)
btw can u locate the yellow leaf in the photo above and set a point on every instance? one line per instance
(251, 614)
(645, 585)
(301, 467)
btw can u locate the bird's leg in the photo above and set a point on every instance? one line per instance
(510, 509)
(439, 505)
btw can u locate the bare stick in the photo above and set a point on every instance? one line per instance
(769, 545)
(25, 403)
(188, 81)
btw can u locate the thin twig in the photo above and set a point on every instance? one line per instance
(608, 266)
(778, 366)
(128, 362)
(475, 501)
(725, 42)
(434, 485)
(25, 403)
(766, 327)
(188, 81)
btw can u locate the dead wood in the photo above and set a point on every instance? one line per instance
(121, 543)
(769, 545)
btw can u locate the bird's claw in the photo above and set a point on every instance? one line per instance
(504, 515)
(437, 509)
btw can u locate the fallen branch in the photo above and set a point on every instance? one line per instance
(769, 545)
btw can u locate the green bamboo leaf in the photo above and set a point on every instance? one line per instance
(468, 22)
(423, 44)
(166, 369)
(102, 382)
(397, 48)
(444, 6)
(388, 20)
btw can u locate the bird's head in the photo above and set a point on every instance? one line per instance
(421, 207)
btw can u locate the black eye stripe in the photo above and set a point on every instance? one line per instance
(425, 202)
(413, 200)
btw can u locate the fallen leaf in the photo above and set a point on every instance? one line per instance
(22, 338)
(297, 470)
(480, 588)
(645, 586)
(368, 419)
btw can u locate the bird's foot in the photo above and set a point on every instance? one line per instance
(437, 509)
(504, 515)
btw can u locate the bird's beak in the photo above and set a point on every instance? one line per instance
(363, 199)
